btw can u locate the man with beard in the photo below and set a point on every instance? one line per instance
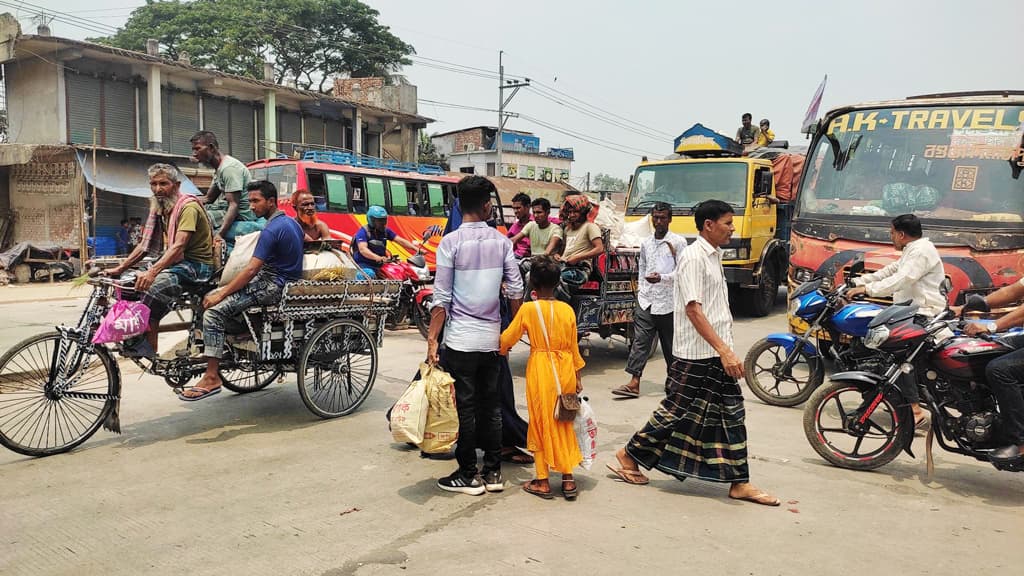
(305, 214)
(276, 261)
(177, 221)
(225, 201)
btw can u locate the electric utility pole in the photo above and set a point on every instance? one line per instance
(502, 102)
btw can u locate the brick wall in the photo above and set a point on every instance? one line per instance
(367, 88)
(474, 137)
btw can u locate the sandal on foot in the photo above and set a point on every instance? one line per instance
(625, 392)
(762, 498)
(629, 476)
(530, 488)
(204, 393)
(569, 493)
(515, 456)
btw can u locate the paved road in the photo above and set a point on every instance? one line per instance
(257, 485)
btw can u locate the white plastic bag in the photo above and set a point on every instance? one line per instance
(409, 414)
(585, 425)
(245, 246)
(633, 233)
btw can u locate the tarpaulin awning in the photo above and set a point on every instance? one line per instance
(125, 173)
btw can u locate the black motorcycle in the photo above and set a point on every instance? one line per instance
(861, 420)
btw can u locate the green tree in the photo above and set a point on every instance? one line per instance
(608, 182)
(428, 153)
(310, 41)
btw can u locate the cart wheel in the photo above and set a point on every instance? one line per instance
(336, 368)
(34, 420)
(247, 375)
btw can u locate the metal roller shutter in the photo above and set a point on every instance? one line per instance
(83, 96)
(335, 134)
(165, 118)
(261, 136)
(119, 114)
(216, 120)
(184, 121)
(243, 132)
(289, 129)
(143, 117)
(314, 130)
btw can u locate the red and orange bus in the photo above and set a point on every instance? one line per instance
(954, 160)
(344, 185)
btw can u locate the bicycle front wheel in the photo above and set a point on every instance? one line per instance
(41, 417)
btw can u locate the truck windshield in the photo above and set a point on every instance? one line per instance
(959, 166)
(685, 185)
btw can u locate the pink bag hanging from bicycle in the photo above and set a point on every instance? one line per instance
(125, 319)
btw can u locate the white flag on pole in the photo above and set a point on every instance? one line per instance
(812, 111)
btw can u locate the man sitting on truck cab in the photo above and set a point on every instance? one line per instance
(276, 261)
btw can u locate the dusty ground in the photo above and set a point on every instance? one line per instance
(258, 485)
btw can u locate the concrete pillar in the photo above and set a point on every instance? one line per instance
(154, 111)
(270, 123)
(357, 130)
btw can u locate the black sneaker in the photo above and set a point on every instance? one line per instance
(459, 483)
(493, 482)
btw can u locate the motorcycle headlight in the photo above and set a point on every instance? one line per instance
(730, 254)
(802, 275)
(423, 273)
(794, 305)
(876, 336)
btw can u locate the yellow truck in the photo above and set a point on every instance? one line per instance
(707, 166)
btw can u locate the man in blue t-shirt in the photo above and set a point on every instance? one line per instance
(371, 242)
(276, 260)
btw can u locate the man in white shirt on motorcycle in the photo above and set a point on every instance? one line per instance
(916, 277)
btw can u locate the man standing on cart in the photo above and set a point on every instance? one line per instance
(276, 260)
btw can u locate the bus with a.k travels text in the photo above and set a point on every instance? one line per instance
(954, 160)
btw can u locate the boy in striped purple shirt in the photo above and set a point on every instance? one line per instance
(472, 264)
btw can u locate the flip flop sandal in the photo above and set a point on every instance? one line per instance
(625, 392)
(759, 498)
(528, 488)
(629, 476)
(205, 393)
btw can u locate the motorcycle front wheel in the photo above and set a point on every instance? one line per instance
(423, 315)
(830, 418)
(772, 385)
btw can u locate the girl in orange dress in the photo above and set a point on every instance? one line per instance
(553, 443)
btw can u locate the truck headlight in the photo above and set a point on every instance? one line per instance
(876, 337)
(730, 254)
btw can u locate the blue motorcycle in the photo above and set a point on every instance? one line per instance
(784, 369)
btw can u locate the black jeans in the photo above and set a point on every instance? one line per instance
(1005, 377)
(478, 400)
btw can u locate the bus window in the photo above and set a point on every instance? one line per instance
(435, 199)
(399, 198)
(337, 193)
(358, 194)
(317, 184)
(375, 192)
(283, 176)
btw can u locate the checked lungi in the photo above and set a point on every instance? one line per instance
(697, 431)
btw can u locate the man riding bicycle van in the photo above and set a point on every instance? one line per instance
(276, 260)
(178, 227)
(371, 242)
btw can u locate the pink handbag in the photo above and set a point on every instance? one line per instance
(125, 319)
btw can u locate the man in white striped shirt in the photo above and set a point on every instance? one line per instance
(698, 430)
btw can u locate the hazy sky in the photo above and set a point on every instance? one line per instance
(662, 66)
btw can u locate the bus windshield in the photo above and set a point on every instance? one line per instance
(955, 166)
(686, 184)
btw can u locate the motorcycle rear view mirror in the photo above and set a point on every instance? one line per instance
(975, 303)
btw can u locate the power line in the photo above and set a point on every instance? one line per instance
(605, 119)
(65, 17)
(614, 146)
(455, 106)
(555, 90)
